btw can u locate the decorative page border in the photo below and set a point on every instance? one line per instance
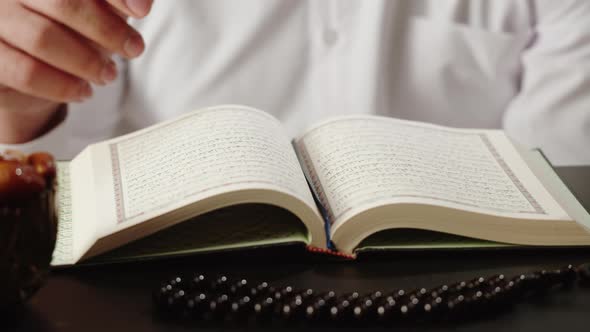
(511, 176)
(117, 181)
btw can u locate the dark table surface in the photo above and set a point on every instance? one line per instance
(117, 297)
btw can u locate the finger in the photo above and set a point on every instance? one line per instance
(134, 8)
(119, 12)
(27, 75)
(15, 101)
(56, 45)
(93, 20)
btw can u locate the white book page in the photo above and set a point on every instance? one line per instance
(79, 212)
(359, 162)
(63, 254)
(204, 153)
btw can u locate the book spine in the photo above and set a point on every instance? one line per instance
(313, 183)
(329, 253)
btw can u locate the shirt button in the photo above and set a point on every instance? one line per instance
(330, 36)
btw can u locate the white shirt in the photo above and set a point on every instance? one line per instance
(520, 65)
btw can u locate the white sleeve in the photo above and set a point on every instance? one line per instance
(85, 123)
(552, 110)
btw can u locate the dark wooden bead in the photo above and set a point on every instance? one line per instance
(382, 313)
(270, 291)
(476, 304)
(329, 297)
(260, 290)
(305, 295)
(264, 306)
(569, 275)
(392, 300)
(283, 293)
(341, 307)
(239, 288)
(318, 307)
(377, 297)
(440, 291)
(342, 311)
(412, 306)
(407, 311)
(497, 291)
(457, 287)
(517, 285)
(176, 282)
(396, 296)
(263, 309)
(553, 278)
(495, 280)
(160, 295)
(221, 284)
(174, 302)
(456, 307)
(511, 292)
(359, 313)
(197, 305)
(427, 311)
(294, 308)
(584, 275)
(220, 306)
(548, 278)
(529, 283)
(241, 307)
(388, 314)
(374, 300)
(539, 282)
(352, 297)
(399, 306)
(432, 309)
(510, 285)
(475, 284)
(316, 310)
(417, 294)
(364, 309)
(312, 313)
(334, 313)
(253, 293)
(496, 299)
(198, 282)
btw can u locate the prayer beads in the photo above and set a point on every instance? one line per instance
(224, 299)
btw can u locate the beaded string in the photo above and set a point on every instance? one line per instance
(200, 298)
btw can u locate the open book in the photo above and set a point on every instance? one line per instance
(229, 177)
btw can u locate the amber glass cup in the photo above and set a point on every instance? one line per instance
(28, 229)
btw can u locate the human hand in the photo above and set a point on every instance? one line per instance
(51, 50)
